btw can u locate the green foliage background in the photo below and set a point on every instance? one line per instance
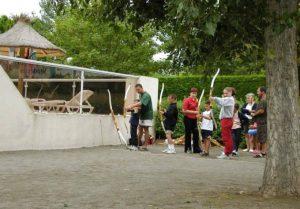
(179, 131)
(180, 85)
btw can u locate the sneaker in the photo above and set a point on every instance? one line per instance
(134, 148)
(251, 150)
(189, 152)
(171, 151)
(235, 153)
(246, 150)
(166, 150)
(223, 156)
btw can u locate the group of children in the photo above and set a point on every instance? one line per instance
(233, 123)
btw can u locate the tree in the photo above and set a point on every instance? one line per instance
(280, 175)
(5, 23)
(105, 46)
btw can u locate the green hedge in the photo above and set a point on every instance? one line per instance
(180, 85)
(179, 131)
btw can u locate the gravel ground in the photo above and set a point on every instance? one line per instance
(112, 177)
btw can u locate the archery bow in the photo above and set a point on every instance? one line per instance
(124, 107)
(160, 107)
(199, 122)
(210, 95)
(121, 137)
(213, 82)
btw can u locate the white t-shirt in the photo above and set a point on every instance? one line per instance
(249, 107)
(207, 124)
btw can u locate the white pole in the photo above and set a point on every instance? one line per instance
(26, 86)
(81, 90)
(74, 88)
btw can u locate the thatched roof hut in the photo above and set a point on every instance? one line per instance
(23, 35)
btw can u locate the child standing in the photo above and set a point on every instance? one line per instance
(252, 134)
(226, 103)
(134, 122)
(171, 116)
(207, 128)
(238, 121)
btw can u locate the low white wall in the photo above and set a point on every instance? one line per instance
(61, 131)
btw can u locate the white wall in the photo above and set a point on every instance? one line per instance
(15, 115)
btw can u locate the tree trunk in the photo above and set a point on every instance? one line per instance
(282, 163)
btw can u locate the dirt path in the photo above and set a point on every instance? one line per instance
(111, 177)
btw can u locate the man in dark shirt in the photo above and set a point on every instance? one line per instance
(260, 117)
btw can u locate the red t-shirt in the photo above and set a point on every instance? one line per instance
(190, 104)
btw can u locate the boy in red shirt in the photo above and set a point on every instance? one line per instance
(190, 111)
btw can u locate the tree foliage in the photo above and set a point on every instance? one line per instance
(198, 35)
(5, 23)
(104, 46)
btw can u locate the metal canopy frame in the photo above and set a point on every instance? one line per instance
(66, 67)
(82, 71)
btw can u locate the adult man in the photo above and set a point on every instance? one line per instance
(146, 115)
(260, 117)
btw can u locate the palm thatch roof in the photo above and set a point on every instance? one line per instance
(23, 35)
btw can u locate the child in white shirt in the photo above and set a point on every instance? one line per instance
(207, 128)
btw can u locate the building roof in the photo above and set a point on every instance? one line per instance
(23, 35)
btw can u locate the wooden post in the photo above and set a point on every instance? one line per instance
(21, 72)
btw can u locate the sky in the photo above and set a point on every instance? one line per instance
(16, 7)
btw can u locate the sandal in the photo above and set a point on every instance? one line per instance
(258, 156)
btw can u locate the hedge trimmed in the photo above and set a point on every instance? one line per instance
(180, 85)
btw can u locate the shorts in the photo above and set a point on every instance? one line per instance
(145, 123)
(252, 132)
(206, 134)
(262, 133)
(169, 127)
